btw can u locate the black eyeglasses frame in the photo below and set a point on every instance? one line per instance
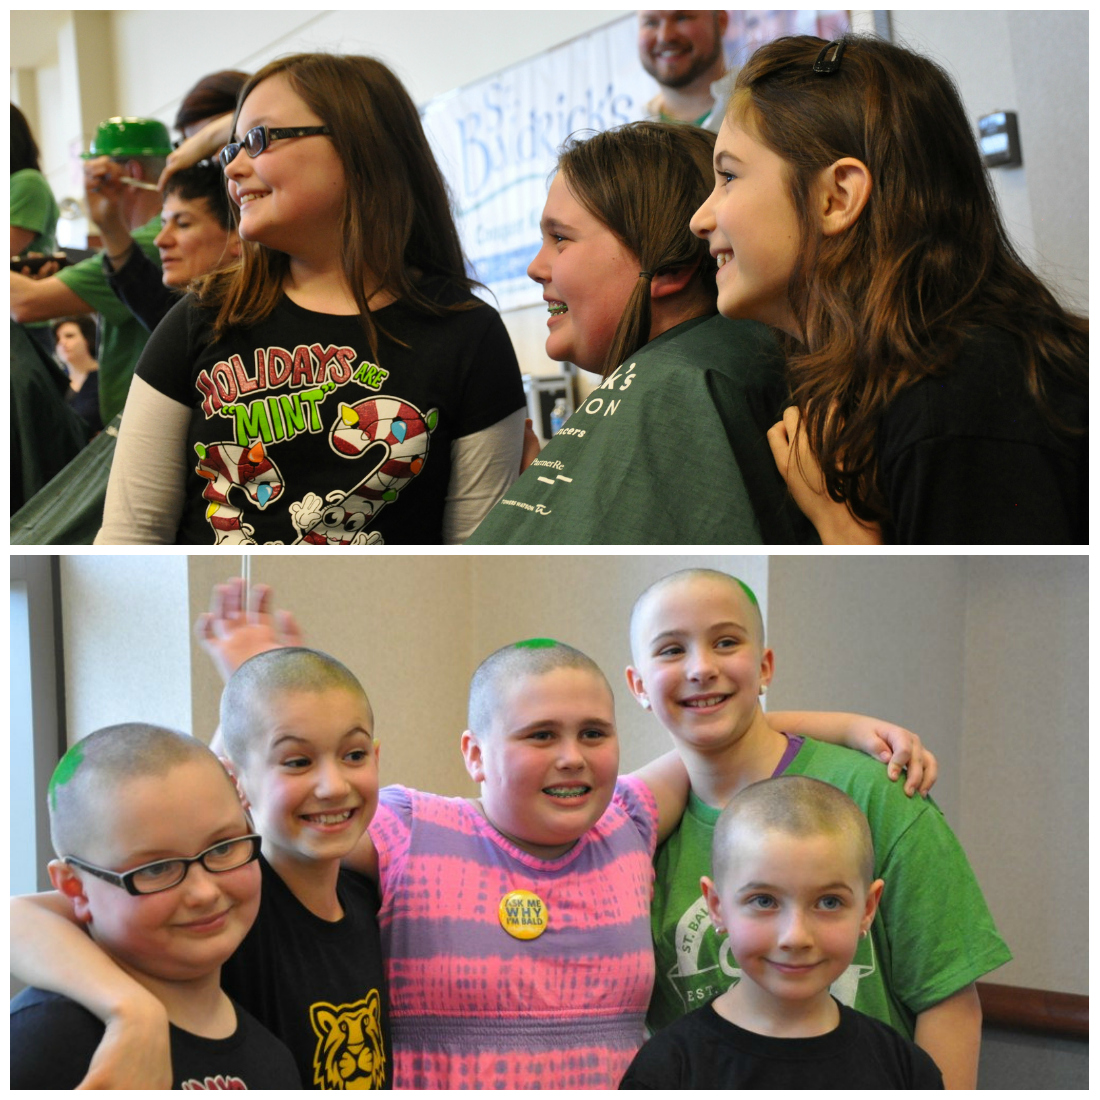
(126, 878)
(268, 134)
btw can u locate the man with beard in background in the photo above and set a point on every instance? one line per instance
(682, 51)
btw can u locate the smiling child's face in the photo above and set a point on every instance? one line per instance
(311, 777)
(188, 931)
(549, 762)
(291, 196)
(793, 907)
(587, 276)
(750, 224)
(698, 660)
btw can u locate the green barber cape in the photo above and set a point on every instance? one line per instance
(69, 509)
(670, 449)
(122, 337)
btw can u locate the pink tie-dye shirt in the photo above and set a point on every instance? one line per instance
(472, 1007)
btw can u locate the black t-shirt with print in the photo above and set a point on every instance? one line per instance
(319, 985)
(53, 1040)
(298, 436)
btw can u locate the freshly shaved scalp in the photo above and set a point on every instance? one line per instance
(532, 657)
(91, 777)
(247, 698)
(796, 805)
(756, 620)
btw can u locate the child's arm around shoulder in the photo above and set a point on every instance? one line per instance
(667, 779)
(897, 747)
(51, 951)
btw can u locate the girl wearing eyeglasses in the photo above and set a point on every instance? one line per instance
(340, 385)
(939, 389)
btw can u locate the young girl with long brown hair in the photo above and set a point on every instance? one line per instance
(340, 385)
(939, 388)
(671, 447)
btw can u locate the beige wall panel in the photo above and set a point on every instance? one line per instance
(1025, 761)
(401, 624)
(987, 658)
(875, 635)
(586, 602)
(424, 623)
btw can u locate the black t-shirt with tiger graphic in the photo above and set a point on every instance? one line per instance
(297, 436)
(319, 985)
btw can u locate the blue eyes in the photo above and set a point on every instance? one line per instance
(830, 903)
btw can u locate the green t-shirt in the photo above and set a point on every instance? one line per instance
(671, 448)
(121, 335)
(34, 208)
(932, 936)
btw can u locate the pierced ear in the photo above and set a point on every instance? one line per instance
(845, 188)
(471, 753)
(665, 283)
(67, 881)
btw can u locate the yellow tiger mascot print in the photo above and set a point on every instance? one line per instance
(350, 1053)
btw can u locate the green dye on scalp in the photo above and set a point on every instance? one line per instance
(537, 643)
(66, 768)
(748, 592)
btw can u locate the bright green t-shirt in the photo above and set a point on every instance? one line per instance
(34, 208)
(932, 936)
(122, 337)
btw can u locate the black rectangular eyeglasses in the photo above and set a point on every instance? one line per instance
(260, 137)
(151, 878)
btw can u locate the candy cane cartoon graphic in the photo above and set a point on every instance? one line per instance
(227, 466)
(395, 435)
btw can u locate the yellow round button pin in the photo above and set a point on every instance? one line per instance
(523, 914)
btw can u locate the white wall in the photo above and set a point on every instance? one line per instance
(433, 52)
(1035, 63)
(124, 620)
